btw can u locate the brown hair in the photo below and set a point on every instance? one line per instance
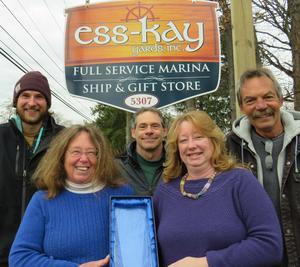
(50, 174)
(220, 160)
(143, 110)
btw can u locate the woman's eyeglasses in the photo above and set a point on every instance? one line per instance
(77, 153)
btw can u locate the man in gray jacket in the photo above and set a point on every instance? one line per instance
(267, 138)
(142, 163)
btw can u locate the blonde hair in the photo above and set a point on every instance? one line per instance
(221, 160)
(50, 174)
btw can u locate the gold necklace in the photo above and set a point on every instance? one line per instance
(203, 190)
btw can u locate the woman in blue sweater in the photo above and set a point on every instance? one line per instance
(66, 223)
(210, 212)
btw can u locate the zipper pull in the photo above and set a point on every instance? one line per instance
(17, 159)
(23, 204)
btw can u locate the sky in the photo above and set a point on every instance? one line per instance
(33, 32)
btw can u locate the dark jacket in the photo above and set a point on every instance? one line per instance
(240, 144)
(16, 167)
(134, 174)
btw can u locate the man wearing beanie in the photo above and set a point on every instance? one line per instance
(24, 139)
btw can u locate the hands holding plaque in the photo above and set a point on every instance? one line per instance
(98, 263)
(191, 262)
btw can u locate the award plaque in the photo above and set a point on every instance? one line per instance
(132, 232)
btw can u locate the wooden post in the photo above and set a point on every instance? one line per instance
(128, 127)
(190, 104)
(244, 56)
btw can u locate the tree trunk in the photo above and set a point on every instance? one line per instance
(294, 10)
(228, 47)
(229, 52)
(190, 104)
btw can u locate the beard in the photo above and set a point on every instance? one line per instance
(32, 120)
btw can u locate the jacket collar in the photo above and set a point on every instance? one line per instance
(291, 123)
(131, 150)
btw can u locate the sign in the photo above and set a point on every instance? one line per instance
(133, 54)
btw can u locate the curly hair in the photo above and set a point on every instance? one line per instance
(50, 174)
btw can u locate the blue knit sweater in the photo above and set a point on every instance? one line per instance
(65, 231)
(233, 224)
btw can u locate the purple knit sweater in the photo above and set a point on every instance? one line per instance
(233, 224)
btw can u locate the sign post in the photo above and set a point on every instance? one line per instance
(242, 39)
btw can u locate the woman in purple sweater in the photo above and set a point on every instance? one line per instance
(209, 211)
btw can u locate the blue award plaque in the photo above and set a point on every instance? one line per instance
(132, 232)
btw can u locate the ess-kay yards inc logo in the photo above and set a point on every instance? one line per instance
(130, 54)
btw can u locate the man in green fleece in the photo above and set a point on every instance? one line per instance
(142, 163)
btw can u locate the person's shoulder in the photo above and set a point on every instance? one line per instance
(121, 156)
(168, 190)
(4, 126)
(245, 183)
(127, 157)
(243, 172)
(243, 178)
(229, 134)
(239, 174)
(38, 198)
(291, 122)
(295, 114)
(231, 140)
(4, 129)
(232, 136)
(53, 125)
(40, 194)
(170, 186)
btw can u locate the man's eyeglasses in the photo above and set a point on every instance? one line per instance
(269, 158)
(77, 153)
